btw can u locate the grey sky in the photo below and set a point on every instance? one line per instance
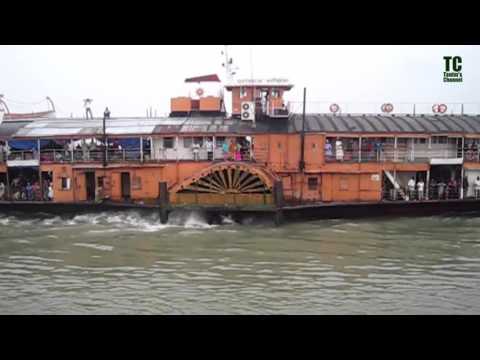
(128, 79)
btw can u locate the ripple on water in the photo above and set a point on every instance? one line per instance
(422, 265)
(95, 246)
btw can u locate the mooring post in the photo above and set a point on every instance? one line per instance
(279, 202)
(164, 201)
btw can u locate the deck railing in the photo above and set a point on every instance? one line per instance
(434, 193)
(22, 155)
(399, 155)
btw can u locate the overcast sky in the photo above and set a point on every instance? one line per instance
(128, 79)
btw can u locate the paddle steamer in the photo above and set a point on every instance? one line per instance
(263, 157)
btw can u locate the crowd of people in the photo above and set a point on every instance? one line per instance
(22, 189)
(471, 151)
(348, 149)
(441, 189)
(232, 149)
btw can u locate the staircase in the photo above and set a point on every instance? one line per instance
(395, 184)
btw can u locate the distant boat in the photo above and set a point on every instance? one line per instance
(6, 115)
(28, 116)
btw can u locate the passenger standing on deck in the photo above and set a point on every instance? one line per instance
(238, 152)
(2, 190)
(477, 187)
(36, 191)
(88, 110)
(225, 150)
(441, 190)
(231, 150)
(378, 149)
(46, 185)
(465, 186)
(328, 150)
(452, 189)
(106, 113)
(475, 150)
(29, 190)
(420, 187)
(339, 149)
(50, 192)
(432, 193)
(209, 146)
(196, 150)
(411, 188)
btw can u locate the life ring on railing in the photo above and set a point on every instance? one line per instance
(387, 108)
(439, 108)
(199, 91)
(334, 108)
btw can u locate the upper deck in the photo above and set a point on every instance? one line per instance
(379, 125)
(402, 138)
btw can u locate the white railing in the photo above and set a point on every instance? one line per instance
(398, 155)
(375, 108)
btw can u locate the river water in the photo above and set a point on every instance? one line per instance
(128, 263)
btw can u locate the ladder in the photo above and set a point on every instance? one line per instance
(395, 184)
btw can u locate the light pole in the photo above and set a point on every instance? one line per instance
(105, 147)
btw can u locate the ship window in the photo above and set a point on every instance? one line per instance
(100, 181)
(275, 94)
(312, 183)
(243, 92)
(65, 183)
(168, 142)
(137, 183)
(439, 139)
(187, 142)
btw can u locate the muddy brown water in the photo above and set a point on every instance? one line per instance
(128, 263)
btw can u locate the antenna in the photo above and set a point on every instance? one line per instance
(228, 65)
(51, 103)
(5, 106)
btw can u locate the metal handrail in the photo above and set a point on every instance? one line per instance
(22, 155)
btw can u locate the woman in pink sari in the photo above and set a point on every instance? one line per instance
(238, 152)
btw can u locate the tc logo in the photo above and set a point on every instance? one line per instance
(453, 62)
(453, 69)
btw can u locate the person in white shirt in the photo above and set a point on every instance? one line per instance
(476, 186)
(196, 150)
(420, 188)
(339, 150)
(88, 110)
(209, 146)
(50, 192)
(411, 188)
